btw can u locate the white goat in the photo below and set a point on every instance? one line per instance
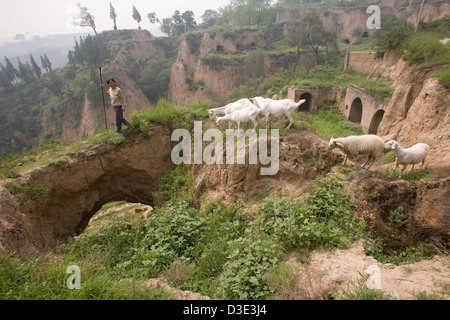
(249, 113)
(412, 155)
(277, 108)
(369, 144)
(229, 108)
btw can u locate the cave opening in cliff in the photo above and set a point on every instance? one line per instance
(375, 122)
(356, 109)
(307, 105)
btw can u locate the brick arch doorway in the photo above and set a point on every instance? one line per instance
(356, 110)
(375, 122)
(308, 104)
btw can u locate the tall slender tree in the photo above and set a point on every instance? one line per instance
(137, 17)
(112, 15)
(36, 69)
(25, 72)
(11, 73)
(5, 83)
(46, 64)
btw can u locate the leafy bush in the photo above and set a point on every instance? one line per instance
(243, 275)
(326, 217)
(170, 232)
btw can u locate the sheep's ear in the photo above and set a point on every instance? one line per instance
(331, 138)
(340, 145)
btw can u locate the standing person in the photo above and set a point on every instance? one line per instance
(117, 102)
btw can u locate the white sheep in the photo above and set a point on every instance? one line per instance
(369, 144)
(277, 108)
(229, 108)
(249, 113)
(412, 155)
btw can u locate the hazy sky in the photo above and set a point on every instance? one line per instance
(42, 17)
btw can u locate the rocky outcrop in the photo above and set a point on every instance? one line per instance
(419, 112)
(425, 206)
(345, 19)
(303, 158)
(219, 79)
(75, 187)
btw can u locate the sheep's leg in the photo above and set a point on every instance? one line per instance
(423, 162)
(412, 168)
(395, 168)
(367, 161)
(291, 120)
(355, 160)
(345, 159)
(404, 167)
(255, 123)
(268, 121)
(372, 160)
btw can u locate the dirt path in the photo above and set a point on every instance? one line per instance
(329, 270)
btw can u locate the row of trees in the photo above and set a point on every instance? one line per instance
(25, 71)
(89, 51)
(242, 12)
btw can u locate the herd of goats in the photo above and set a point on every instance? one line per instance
(244, 110)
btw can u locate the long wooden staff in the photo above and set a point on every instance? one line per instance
(103, 97)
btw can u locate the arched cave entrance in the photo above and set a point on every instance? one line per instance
(307, 105)
(375, 122)
(356, 108)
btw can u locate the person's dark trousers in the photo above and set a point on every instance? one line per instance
(119, 118)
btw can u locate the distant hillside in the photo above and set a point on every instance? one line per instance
(56, 47)
(67, 102)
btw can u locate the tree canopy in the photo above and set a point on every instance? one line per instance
(84, 18)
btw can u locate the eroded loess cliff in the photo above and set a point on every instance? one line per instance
(69, 191)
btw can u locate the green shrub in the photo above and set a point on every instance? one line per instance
(170, 232)
(443, 76)
(250, 258)
(326, 217)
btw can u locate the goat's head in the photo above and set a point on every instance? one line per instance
(395, 144)
(255, 101)
(389, 145)
(212, 114)
(333, 143)
(219, 120)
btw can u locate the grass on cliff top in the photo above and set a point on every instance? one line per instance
(326, 77)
